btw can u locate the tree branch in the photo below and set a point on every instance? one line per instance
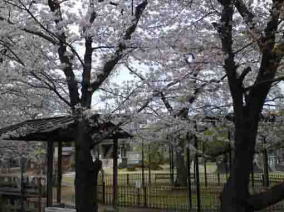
(64, 59)
(244, 73)
(270, 59)
(86, 91)
(248, 17)
(166, 102)
(110, 64)
(225, 32)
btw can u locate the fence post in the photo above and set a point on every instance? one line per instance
(39, 194)
(127, 179)
(145, 196)
(138, 196)
(104, 193)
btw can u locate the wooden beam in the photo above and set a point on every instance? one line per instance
(49, 173)
(59, 171)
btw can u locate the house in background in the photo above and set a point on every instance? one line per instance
(68, 156)
(105, 152)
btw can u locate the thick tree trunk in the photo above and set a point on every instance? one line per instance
(235, 194)
(86, 173)
(181, 179)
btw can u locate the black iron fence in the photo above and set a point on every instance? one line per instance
(150, 191)
(156, 191)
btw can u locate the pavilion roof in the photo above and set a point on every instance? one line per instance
(61, 128)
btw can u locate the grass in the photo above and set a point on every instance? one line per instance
(166, 198)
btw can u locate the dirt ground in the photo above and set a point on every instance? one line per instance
(109, 209)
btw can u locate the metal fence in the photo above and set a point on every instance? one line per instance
(158, 192)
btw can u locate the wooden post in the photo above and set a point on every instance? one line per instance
(205, 167)
(59, 171)
(49, 173)
(171, 164)
(189, 178)
(197, 181)
(149, 164)
(22, 184)
(265, 165)
(115, 172)
(143, 176)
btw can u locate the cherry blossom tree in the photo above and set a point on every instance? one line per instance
(175, 50)
(175, 77)
(263, 40)
(52, 36)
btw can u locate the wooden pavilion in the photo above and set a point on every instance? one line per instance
(63, 129)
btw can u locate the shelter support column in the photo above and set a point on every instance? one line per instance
(265, 165)
(197, 180)
(59, 172)
(49, 173)
(115, 172)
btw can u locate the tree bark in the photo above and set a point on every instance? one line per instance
(86, 173)
(247, 102)
(181, 179)
(235, 194)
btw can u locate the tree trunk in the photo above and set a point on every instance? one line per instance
(181, 179)
(235, 194)
(86, 173)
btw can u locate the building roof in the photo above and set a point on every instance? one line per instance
(62, 128)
